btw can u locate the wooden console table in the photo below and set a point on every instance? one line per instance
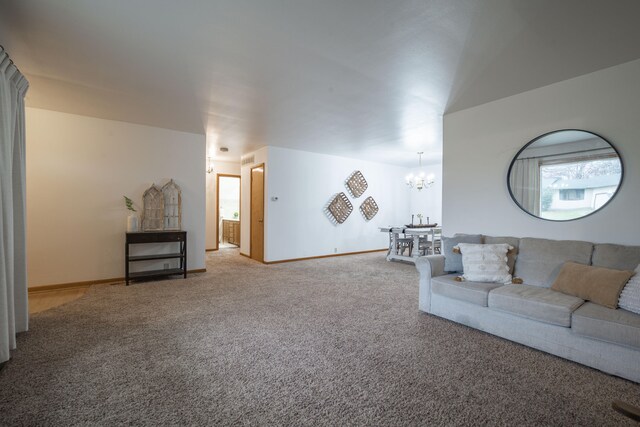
(156, 237)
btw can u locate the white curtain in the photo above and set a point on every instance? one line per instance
(14, 310)
(525, 184)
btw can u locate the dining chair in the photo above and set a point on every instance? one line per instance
(429, 246)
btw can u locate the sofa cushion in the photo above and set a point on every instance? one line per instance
(619, 257)
(630, 295)
(597, 284)
(473, 292)
(511, 241)
(540, 260)
(453, 261)
(615, 326)
(485, 262)
(535, 303)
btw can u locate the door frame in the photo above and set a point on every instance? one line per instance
(228, 175)
(264, 174)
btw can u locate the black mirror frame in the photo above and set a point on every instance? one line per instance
(550, 133)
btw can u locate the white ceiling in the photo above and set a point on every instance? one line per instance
(357, 78)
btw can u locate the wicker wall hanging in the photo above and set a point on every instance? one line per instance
(369, 208)
(153, 211)
(356, 184)
(172, 195)
(340, 208)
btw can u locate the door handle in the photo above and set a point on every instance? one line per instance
(259, 220)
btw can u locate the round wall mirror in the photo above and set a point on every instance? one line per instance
(565, 175)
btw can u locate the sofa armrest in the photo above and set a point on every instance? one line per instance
(431, 264)
(428, 267)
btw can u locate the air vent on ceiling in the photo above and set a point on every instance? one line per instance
(248, 160)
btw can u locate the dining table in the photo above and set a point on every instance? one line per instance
(399, 236)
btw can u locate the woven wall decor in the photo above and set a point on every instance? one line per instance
(153, 210)
(356, 184)
(172, 219)
(340, 208)
(369, 208)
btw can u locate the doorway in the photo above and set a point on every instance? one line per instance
(257, 213)
(227, 211)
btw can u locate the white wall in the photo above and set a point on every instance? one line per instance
(78, 169)
(303, 182)
(480, 142)
(229, 168)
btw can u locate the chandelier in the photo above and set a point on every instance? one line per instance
(209, 167)
(421, 180)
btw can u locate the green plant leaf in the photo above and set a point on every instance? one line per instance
(129, 204)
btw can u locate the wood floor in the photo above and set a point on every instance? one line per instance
(44, 300)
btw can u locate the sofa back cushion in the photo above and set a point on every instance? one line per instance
(619, 257)
(540, 260)
(514, 242)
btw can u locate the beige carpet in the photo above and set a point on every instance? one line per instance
(336, 341)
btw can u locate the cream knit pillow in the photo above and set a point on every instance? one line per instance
(630, 295)
(485, 263)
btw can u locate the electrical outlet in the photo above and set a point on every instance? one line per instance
(166, 265)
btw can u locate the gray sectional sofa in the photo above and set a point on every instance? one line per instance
(534, 315)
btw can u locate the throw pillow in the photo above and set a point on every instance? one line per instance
(453, 262)
(596, 284)
(512, 254)
(630, 295)
(485, 263)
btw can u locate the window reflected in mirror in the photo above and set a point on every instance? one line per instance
(565, 175)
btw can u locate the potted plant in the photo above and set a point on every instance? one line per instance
(132, 219)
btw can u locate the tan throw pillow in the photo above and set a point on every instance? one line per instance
(596, 284)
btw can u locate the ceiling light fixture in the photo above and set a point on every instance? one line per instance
(420, 180)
